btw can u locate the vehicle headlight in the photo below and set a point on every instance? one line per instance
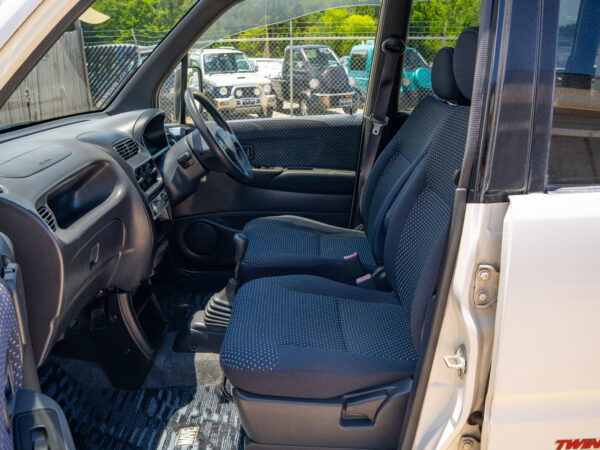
(238, 93)
(267, 89)
(314, 83)
(406, 82)
(223, 91)
(256, 91)
(352, 81)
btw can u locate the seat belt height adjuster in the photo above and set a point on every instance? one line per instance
(378, 124)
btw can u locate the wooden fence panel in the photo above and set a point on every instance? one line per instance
(57, 86)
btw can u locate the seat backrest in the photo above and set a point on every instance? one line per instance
(419, 218)
(11, 358)
(403, 153)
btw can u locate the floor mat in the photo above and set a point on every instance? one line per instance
(145, 418)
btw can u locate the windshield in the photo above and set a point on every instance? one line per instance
(92, 60)
(97, 55)
(226, 63)
(321, 57)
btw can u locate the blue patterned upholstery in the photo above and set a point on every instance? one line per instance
(288, 244)
(315, 338)
(396, 163)
(292, 245)
(279, 246)
(310, 337)
(10, 355)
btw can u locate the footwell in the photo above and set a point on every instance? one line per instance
(145, 418)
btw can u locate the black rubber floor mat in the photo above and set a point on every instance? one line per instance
(143, 419)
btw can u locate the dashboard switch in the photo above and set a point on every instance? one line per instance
(185, 160)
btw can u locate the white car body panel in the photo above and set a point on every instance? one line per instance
(236, 79)
(450, 398)
(545, 368)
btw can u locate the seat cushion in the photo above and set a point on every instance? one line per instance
(285, 245)
(310, 337)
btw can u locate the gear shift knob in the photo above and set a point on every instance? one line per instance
(240, 241)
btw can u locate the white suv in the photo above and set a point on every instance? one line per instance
(230, 81)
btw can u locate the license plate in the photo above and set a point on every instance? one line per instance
(345, 101)
(248, 102)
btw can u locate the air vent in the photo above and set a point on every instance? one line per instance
(47, 216)
(126, 148)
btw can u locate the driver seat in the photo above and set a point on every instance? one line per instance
(282, 245)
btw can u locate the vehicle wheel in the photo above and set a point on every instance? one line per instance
(278, 105)
(268, 114)
(351, 109)
(304, 107)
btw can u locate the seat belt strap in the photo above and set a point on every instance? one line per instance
(393, 48)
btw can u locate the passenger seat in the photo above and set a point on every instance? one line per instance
(294, 245)
(307, 353)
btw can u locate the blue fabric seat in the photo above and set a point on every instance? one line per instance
(293, 245)
(310, 337)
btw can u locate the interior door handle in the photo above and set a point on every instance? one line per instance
(249, 149)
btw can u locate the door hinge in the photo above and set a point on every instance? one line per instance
(485, 291)
(457, 361)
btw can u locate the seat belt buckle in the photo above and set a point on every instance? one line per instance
(354, 266)
(376, 280)
(378, 124)
(366, 281)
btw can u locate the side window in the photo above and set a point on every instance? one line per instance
(575, 143)
(433, 25)
(246, 70)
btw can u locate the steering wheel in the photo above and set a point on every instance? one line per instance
(220, 138)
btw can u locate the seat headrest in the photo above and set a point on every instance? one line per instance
(442, 76)
(465, 56)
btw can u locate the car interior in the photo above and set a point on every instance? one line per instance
(219, 283)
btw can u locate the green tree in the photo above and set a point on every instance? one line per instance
(439, 18)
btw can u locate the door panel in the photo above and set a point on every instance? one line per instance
(207, 220)
(302, 166)
(328, 141)
(547, 310)
(304, 146)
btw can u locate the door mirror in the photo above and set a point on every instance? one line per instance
(170, 98)
(194, 77)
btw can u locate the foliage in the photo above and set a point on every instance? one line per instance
(145, 22)
(441, 18)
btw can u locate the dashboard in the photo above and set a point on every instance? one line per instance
(87, 209)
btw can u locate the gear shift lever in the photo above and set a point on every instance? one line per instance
(207, 326)
(240, 241)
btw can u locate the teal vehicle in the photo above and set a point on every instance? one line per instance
(416, 77)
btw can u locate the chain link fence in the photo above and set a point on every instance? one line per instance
(310, 70)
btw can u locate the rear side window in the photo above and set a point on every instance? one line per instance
(575, 144)
(433, 25)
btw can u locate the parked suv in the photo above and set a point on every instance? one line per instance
(317, 82)
(416, 76)
(232, 83)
